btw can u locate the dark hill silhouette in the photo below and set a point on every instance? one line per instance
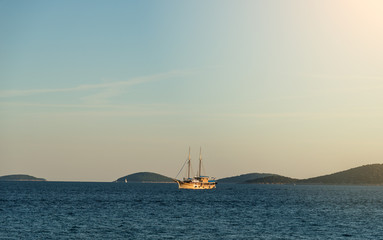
(20, 177)
(243, 178)
(367, 174)
(364, 175)
(274, 179)
(145, 177)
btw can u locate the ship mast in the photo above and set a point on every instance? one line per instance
(189, 164)
(200, 162)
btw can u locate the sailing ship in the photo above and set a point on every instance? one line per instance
(197, 182)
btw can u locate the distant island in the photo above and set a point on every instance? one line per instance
(274, 179)
(244, 177)
(148, 177)
(367, 174)
(371, 174)
(20, 177)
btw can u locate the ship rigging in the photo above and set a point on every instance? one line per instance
(198, 181)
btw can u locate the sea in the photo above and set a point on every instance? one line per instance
(82, 210)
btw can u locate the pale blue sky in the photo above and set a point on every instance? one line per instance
(94, 90)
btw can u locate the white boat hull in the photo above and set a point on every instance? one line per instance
(195, 185)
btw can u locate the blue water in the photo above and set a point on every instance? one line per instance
(63, 210)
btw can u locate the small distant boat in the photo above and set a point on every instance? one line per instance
(126, 180)
(197, 182)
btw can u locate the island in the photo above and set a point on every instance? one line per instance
(20, 177)
(244, 178)
(274, 179)
(371, 174)
(145, 177)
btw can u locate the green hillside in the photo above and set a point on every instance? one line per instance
(243, 178)
(146, 177)
(20, 177)
(367, 174)
(274, 179)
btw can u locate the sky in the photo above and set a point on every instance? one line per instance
(95, 90)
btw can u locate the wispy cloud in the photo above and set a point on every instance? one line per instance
(103, 96)
(47, 105)
(93, 110)
(343, 77)
(111, 87)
